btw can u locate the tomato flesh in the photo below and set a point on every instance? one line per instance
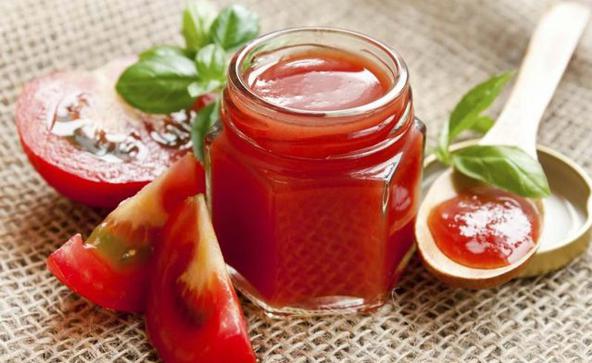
(86, 272)
(91, 146)
(193, 313)
(111, 268)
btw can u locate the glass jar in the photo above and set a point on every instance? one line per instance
(314, 209)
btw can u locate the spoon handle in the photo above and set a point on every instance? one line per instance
(550, 48)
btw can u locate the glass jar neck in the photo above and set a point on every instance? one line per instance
(316, 134)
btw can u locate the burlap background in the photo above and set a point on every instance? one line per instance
(449, 45)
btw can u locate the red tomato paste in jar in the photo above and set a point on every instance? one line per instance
(314, 175)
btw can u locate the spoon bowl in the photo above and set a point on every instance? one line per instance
(567, 222)
(448, 184)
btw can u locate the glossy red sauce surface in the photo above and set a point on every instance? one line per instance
(309, 225)
(319, 81)
(485, 227)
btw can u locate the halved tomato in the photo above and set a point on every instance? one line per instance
(111, 268)
(193, 313)
(88, 144)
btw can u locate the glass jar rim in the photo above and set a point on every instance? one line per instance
(392, 94)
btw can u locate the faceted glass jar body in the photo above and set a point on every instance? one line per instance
(314, 210)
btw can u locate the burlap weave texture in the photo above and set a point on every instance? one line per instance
(448, 45)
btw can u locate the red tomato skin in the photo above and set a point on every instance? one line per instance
(197, 326)
(91, 274)
(99, 194)
(87, 273)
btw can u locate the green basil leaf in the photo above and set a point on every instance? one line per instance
(442, 152)
(443, 155)
(482, 124)
(506, 167)
(158, 84)
(211, 63)
(197, 89)
(478, 99)
(202, 122)
(197, 19)
(164, 50)
(234, 26)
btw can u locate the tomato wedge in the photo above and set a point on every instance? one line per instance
(111, 268)
(88, 144)
(193, 313)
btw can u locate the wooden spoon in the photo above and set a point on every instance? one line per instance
(549, 51)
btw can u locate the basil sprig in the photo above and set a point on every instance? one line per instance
(234, 26)
(168, 78)
(158, 83)
(506, 167)
(204, 120)
(197, 20)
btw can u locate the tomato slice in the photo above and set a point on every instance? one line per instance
(193, 313)
(91, 146)
(111, 268)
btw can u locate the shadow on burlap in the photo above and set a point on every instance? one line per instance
(449, 45)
